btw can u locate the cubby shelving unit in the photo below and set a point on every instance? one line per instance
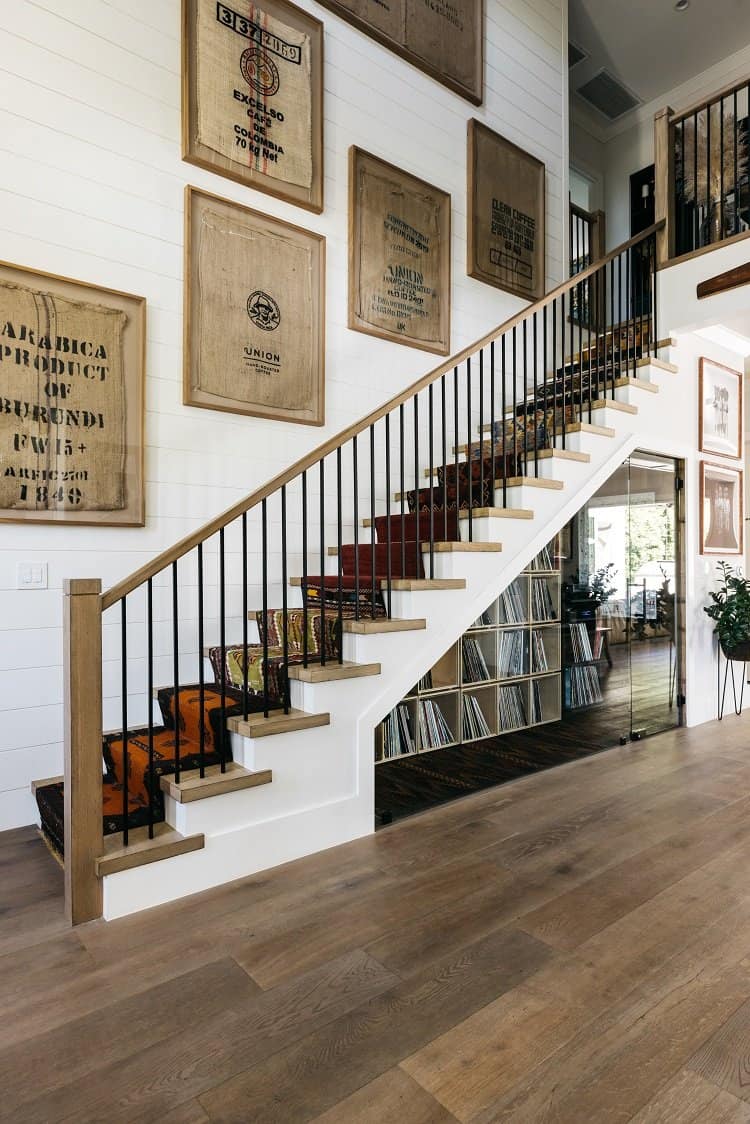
(502, 675)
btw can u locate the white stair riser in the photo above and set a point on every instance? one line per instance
(321, 698)
(489, 529)
(634, 396)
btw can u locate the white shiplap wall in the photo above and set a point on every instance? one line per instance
(91, 186)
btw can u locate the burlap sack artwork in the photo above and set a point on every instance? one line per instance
(508, 212)
(254, 97)
(399, 287)
(62, 403)
(254, 307)
(443, 36)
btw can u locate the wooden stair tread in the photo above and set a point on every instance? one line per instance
(559, 455)
(45, 781)
(332, 671)
(256, 726)
(141, 850)
(419, 585)
(660, 364)
(496, 513)
(531, 482)
(384, 624)
(192, 787)
(611, 404)
(590, 427)
(462, 547)
(641, 384)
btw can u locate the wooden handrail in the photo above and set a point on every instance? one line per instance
(185, 545)
(702, 103)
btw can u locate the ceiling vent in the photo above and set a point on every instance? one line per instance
(575, 55)
(607, 95)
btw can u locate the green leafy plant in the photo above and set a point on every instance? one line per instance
(601, 583)
(730, 608)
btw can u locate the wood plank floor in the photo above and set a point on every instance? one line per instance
(573, 946)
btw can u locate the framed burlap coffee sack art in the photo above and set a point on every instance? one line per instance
(506, 193)
(252, 96)
(399, 255)
(72, 361)
(443, 38)
(254, 313)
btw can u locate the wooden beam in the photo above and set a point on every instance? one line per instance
(664, 184)
(83, 747)
(723, 282)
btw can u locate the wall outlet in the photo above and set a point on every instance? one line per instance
(31, 575)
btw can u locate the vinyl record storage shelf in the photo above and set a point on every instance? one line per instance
(519, 642)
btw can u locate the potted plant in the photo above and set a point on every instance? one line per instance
(730, 611)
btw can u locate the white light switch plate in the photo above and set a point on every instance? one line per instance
(31, 575)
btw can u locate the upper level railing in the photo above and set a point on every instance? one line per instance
(701, 163)
(586, 245)
(325, 543)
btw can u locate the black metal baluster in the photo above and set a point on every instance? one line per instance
(305, 611)
(284, 608)
(721, 170)
(554, 371)
(372, 522)
(355, 506)
(417, 505)
(264, 600)
(593, 350)
(469, 461)
(339, 543)
(535, 358)
(545, 401)
(223, 642)
(324, 587)
(150, 701)
(514, 339)
(481, 435)
(444, 437)
(244, 623)
(736, 224)
(125, 735)
(201, 676)
(611, 346)
(525, 408)
(456, 440)
(389, 566)
(628, 302)
(493, 423)
(431, 451)
(503, 420)
(619, 317)
(708, 175)
(417, 545)
(696, 226)
(654, 275)
(176, 670)
(563, 416)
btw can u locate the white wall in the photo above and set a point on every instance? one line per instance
(91, 186)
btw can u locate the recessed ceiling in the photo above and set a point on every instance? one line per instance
(651, 48)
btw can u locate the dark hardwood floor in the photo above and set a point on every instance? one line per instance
(573, 946)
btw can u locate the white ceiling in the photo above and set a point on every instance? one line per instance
(650, 47)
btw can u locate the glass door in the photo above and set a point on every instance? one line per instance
(651, 605)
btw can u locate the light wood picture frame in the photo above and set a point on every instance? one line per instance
(443, 40)
(72, 370)
(254, 313)
(252, 96)
(721, 509)
(506, 212)
(399, 255)
(719, 409)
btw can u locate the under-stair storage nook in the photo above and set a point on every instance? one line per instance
(501, 676)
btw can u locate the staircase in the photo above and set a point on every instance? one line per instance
(274, 639)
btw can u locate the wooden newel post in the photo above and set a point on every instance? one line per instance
(83, 747)
(664, 184)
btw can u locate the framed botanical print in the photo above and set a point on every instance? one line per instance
(506, 214)
(719, 409)
(72, 363)
(254, 311)
(252, 96)
(721, 523)
(399, 255)
(444, 38)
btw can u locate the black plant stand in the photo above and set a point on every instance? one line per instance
(721, 690)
